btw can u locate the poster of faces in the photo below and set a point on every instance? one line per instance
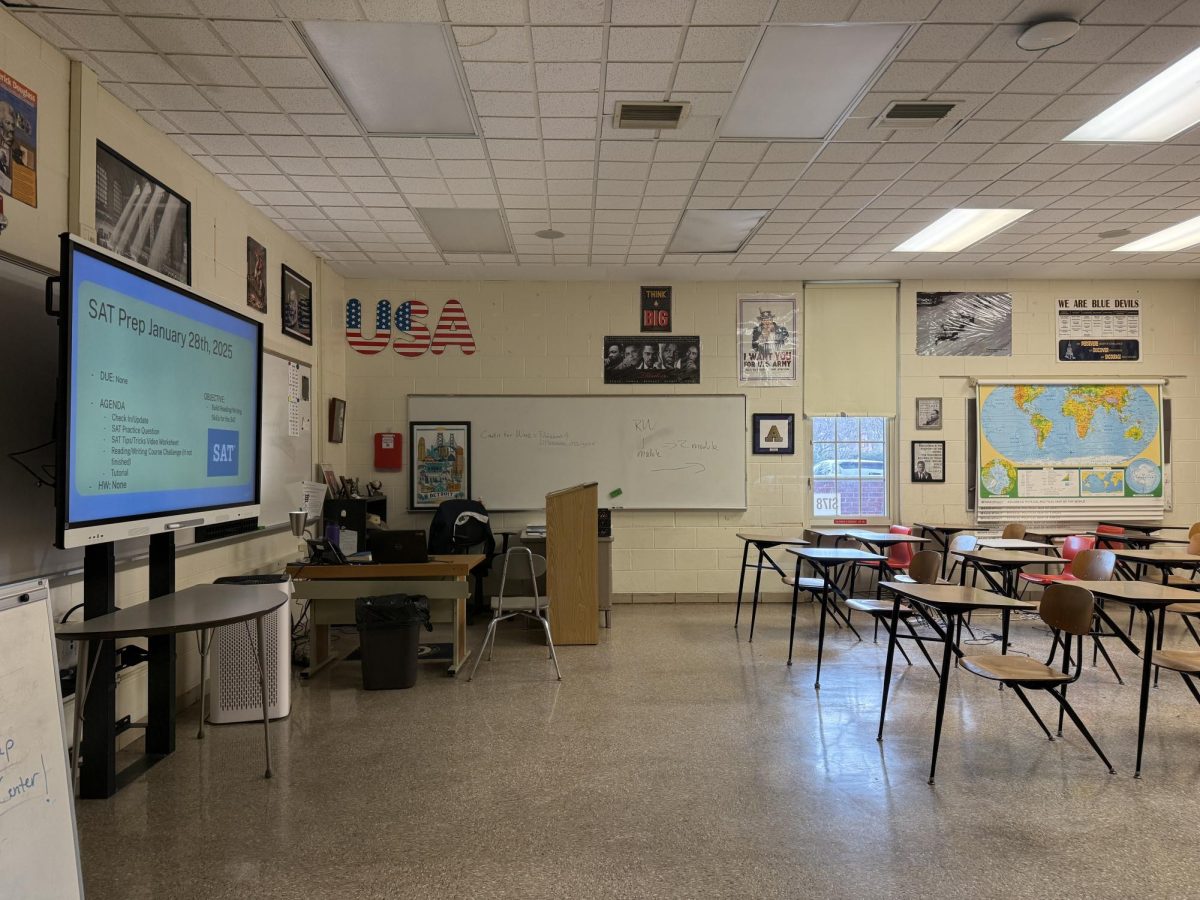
(651, 359)
(766, 334)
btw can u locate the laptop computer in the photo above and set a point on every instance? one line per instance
(403, 546)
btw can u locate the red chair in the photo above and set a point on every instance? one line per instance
(1071, 548)
(1109, 529)
(899, 557)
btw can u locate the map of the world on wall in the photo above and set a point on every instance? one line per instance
(1066, 438)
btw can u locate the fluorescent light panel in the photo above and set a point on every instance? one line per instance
(1177, 237)
(803, 77)
(398, 78)
(959, 229)
(1157, 111)
(466, 230)
(714, 230)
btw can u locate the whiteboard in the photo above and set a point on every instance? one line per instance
(661, 451)
(287, 457)
(39, 844)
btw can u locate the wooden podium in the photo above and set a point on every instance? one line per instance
(571, 565)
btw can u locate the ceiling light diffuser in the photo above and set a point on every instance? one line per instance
(1177, 237)
(1157, 111)
(466, 230)
(399, 78)
(715, 230)
(803, 78)
(959, 229)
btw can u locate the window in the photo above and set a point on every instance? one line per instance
(849, 466)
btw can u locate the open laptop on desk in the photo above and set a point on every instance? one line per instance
(403, 546)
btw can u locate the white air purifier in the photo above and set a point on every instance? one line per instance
(233, 688)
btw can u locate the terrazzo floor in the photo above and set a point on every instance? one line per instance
(674, 760)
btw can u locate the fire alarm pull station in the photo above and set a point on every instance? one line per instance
(389, 450)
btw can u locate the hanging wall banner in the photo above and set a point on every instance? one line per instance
(638, 360)
(961, 323)
(1099, 328)
(766, 334)
(18, 140)
(656, 308)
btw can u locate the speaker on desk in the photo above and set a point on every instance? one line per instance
(233, 691)
(604, 523)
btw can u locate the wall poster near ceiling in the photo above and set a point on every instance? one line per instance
(1099, 328)
(766, 336)
(18, 140)
(964, 323)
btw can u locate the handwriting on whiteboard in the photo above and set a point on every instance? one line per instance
(541, 437)
(21, 779)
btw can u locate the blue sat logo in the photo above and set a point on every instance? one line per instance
(222, 452)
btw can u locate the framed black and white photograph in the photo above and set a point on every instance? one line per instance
(256, 275)
(639, 359)
(337, 420)
(928, 461)
(929, 414)
(296, 306)
(141, 218)
(775, 433)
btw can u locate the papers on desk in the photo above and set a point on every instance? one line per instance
(535, 530)
(310, 496)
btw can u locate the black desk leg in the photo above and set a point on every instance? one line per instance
(98, 755)
(160, 673)
(1004, 625)
(741, 583)
(825, 600)
(795, 603)
(754, 599)
(943, 683)
(887, 667)
(1144, 699)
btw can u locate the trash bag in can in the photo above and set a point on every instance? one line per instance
(389, 630)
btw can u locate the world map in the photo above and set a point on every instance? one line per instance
(1036, 424)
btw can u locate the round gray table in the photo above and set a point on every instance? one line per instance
(199, 608)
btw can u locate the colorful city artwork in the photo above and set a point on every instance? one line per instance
(441, 463)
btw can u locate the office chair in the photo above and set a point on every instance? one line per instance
(461, 527)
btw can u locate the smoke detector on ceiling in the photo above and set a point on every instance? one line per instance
(650, 115)
(916, 114)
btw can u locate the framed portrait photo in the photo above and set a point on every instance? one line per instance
(440, 463)
(296, 306)
(928, 461)
(256, 275)
(775, 433)
(929, 414)
(337, 420)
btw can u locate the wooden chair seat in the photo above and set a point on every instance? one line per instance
(1014, 669)
(876, 607)
(805, 584)
(1178, 660)
(1185, 609)
(1046, 578)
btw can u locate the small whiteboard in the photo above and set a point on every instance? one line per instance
(39, 843)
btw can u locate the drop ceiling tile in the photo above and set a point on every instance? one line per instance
(464, 168)
(179, 35)
(241, 99)
(307, 100)
(229, 180)
(972, 132)
(324, 124)
(289, 73)
(635, 151)
(236, 9)
(569, 149)
(1159, 46)
(625, 171)
(486, 12)
(518, 150)
(490, 44)
(159, 121)
(813, 10)
(274, 145)
(353, 165)
(726, 44)
(266, 182)
(1046, 77)
(504, 103)
(264, 123)
(737, 152)
(422, 186)
(708, 76)
(786, 151)
(722, 171)
(173, 96)
(43, 29)
(643, 44)
(568, 76)
(413, 168)
(501, 127)
(145, 68)
(559, 44)
(368, 184)
(98, 32)
(401, 10)
(674, 171)
(202, 123)
(401, 148)
(216, 70)
(456, 148)
(318, 183)
(650, 12)
(303, 165)
(1014, 107)
(568, 128)
(912, 76)
(1093, 43)
(259, 38)
(629, 76)
(985, 77)
(248, 165)
(128, 96)
(507, 168)
(942, 42)
(291, 198)
(722, 12)
(570, 105)
(566, 12)
(499, 76)
(570, 169)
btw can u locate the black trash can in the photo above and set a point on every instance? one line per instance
(389, 630)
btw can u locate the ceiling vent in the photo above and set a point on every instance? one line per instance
(650, 115)
(916, 114)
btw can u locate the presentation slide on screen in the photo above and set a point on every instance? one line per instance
(164, 399)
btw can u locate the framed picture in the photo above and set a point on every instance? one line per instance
(256, 275)
(929, 414)
(766, 337)
(928, 461)
(296, 303)
(141, 218)
(337, 420)
(440, 463)
(775, 433)
(335, 485)
(641, 359)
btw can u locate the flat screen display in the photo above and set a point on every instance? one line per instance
(162, 394)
